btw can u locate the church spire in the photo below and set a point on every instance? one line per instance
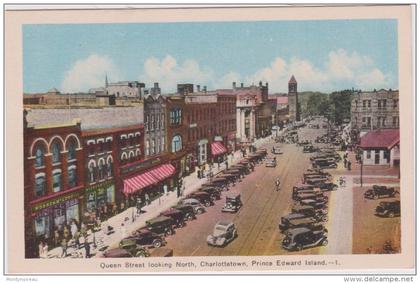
(106, 80)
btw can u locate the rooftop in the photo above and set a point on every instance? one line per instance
(381, 139)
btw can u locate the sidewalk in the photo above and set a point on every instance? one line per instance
(132, 221)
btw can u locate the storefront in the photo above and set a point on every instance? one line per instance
(218, 151)
(99, 195)
(55, 214)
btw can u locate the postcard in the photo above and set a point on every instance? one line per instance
(266, 139)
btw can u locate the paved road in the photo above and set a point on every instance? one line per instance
(257, 221)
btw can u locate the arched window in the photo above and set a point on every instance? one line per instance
(39, 156)
(101, 168)
(72, 176)
(72, 150)
(40, 189)
(57, 181)
(109, 168)
(55, 148)
(176, 143)
(91, 172)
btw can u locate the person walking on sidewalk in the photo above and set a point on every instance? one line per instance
(63, 247)
(227, 164)
(349, 165)
(87, 249)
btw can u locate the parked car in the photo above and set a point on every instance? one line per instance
(315, 204)
(308, 222)
(161, 225)
(197, 206)
(143, 238)
(270, 162)
(176, 215)
(285, 220)
(133, 251)
(309, 148)
(380, 192)
(304, 187)
(388, 208)
(212, 191)
(324, 163)
(276, 150)
(224, 232)
(316, 181)
(233, 203)
(187, 210)
(327, 186)
(309, 210)
(313, 195)
(301, 238)
(202, 197)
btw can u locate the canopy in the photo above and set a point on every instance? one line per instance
(217, 148)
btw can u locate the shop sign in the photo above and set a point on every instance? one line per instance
(218, 138)
(193, 125)
(142, 165)
(99, 186)
(55, 201)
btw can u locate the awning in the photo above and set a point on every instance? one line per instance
(136, 183)
(163, 171)
(217, 148)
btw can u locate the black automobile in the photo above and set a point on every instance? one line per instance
(143, 238)
(317, 205)
(308, 222)
(309, 148)
(324, 163)
(380, 192)
(161, 225)
(318, 196)
(212, 191)
(187, 210)
(310, 211)
(128, 251)
(316, 181)
(388, 209)
(302, 238)
(176, 215)
(202, 197)
(285, 220)
(327, 186)
(233, 203)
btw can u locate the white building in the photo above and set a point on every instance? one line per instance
(381, 147)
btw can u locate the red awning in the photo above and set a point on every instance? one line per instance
(217, 148)
(136, 183)
(163, 171)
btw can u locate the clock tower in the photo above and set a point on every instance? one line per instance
(294, 111)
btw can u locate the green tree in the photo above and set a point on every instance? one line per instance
(341, 103)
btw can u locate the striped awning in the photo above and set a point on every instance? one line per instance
(138, 182)
(163, 171)
(217, 148)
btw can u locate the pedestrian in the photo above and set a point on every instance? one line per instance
(147, 198)
(349, 165)
(87, 249)
(123, 231)
(56, 238)
(138, 205)
(64, 247)
(74, 232)
(66, 233)
(227, 164)
(41, 249)
(277, 184)
(345, 163)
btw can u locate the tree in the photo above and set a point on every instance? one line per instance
(341, 102)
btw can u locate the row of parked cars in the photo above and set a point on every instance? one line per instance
(156, 229)
(385, 208)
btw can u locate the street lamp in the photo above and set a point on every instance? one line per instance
(361, 168)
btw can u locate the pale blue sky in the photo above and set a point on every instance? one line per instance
(323, 55)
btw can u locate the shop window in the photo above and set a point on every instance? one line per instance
(176, 143)
(39, 156)
(42, 225)
(56, 181)
(55, 153)
(40, 189)
(72, 177)
(71, 151)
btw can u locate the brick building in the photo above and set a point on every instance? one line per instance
(293, 99)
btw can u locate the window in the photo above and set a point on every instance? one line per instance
(40, 186)
(91, 172)
(162, 121)
(395, 103)
(368, 103)
(101, 147)
(163, 144)
(101, 169)
(383, 121)
(395, 121)
(176, 143)
(56, 181)
(368, 154)
(176, 116)
(55, 153)
(39, 156)
(157, 121)
(364, 103)
(379, 103)
(91, 149)
(384, 103)
(109, 168)
(157, 145)
(71, 151)
(152, 126)
(153, 147)
(72, 177)
(147, 148)
(146, 123)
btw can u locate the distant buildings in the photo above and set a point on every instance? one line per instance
(375, 110)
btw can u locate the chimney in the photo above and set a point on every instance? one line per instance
(205, 88)
(260, 83)
(233, 85)
(156, 85)
(266, 84)
(198, 88)
(242, 85)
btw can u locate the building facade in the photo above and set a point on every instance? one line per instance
(155, 125)
(375, 110)
(381, 147)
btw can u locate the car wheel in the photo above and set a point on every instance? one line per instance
(391, 214)
(324, 242)
(157, 243)
(299, 247)
(200, 211)
(207, 204)
(140, 254)
(190, 217)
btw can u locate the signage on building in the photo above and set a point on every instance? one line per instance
(95, 187)
(194, 125)
(142, 165)
(218, 138)
(55, 201)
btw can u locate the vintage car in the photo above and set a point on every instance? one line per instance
(316, 173)
(309, 148)
(300, 238)
(212, 191)
(380, 192)
(326, 155)
(319, 196)
(310, 211)
(176, 215)
(233, 203)
(202, 197)
(224, 232)
(285, 220)
(303, 143)
(143, 238)
(270, 162)
(187, 210)
(161, 225)
(315, 181)
(129, 251)
(323, 205)
(388, 209)
(324, 163)
(197, 206)
(308, 222)
(327, 186)
(276, 150)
